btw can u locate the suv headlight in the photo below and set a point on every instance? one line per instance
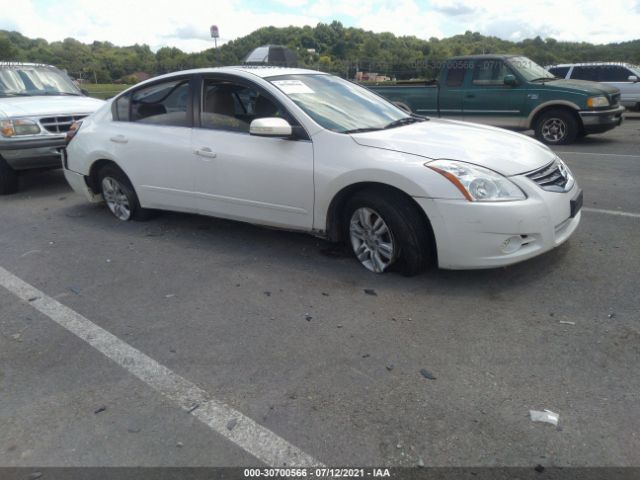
(595, 102)
(23, 126)
(477, 184)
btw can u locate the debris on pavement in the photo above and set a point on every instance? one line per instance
(75, 290)
(134, 430)
(366, 355)
(427, 374)
(17, 337)
(611, 315)
(308, 317)
(325, 294)
(389, 367)
(232, 423)
(546, 417)
(170, 295)
(370, 291)
(193, 408)
(100, 409)
(35, 475)
(539, 468)
(179, 444)
(420, 463)
(566, 322)
(267, 293)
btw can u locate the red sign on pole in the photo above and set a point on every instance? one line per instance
(214, 31)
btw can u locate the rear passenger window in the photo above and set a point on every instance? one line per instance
(455, 73)
(161, 104)
(585, 72)
(560, 72)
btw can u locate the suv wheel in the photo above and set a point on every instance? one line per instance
(386, 232)
(557, 127)
(8, 178)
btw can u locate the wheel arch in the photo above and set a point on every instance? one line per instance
(553, 105)
(94, 170)
(333, 229)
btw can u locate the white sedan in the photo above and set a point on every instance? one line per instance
(308, 151)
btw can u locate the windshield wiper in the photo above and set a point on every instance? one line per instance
(15, 94)
(362, 130)
(56, 94)
(543, 79)
(404, 121)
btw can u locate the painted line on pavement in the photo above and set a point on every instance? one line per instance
(612, 212)
(257, 440)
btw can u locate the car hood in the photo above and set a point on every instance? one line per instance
(505, 152)
(42, 106)
(585, 86)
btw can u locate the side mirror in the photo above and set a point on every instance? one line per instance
(510, 80)
(270, 127)
(632, 78)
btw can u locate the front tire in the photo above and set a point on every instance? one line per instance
(119, 195)
(557, 127)
(387, 232)
(8, 178)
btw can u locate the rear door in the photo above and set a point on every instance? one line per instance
(618, 76)
(152, 143)
(451, 90)
(488, 100)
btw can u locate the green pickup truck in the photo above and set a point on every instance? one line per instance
(512, 92)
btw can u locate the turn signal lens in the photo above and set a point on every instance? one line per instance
(73, 129)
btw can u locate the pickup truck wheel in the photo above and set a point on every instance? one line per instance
(557, 127)
(119, 195)
(8, 178)
(386, 232)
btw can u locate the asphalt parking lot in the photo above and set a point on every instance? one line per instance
(254, 346)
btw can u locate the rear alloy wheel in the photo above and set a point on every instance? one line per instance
(387, 231)
(8, 178)
(119, 195)
(557, 127)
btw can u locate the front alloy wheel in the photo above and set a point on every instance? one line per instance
(116, 198)
(554, 130)
(371, 240)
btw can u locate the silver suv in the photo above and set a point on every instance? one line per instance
(621, 75)
(38, 104)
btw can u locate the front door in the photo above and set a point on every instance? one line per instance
(245, 177)
(488, 100)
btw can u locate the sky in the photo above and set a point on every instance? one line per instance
(185, 23)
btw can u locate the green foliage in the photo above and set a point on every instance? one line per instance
(328, 47)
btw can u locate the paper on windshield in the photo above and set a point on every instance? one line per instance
(292, 86)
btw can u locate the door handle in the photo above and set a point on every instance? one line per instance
(119, 139)
(205, 152)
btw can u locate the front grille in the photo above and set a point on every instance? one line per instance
(553, 177)
(59, 124)
(615, 99)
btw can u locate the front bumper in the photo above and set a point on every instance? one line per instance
(24, 154)
(472, 235)
(598, 121)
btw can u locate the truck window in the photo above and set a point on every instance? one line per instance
(560, 72)
(455, 74)
(489, 72)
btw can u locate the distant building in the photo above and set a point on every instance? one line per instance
(134, 77)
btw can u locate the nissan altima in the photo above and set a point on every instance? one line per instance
(308, 151)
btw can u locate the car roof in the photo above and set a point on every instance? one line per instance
(257, 70)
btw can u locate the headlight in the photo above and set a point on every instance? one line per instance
(595, 102)
(12, 128)
(477, 184)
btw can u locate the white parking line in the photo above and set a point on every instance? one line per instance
(219, 417)
(612, 212)
(599, 154)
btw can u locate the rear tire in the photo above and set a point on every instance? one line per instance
(557, 127)
(119, 195)
(8, 178)
(387, 232)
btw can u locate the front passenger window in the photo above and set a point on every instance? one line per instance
(232, 107)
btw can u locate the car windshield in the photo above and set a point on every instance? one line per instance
(529, 69)
(28, 80)
(337, 104)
